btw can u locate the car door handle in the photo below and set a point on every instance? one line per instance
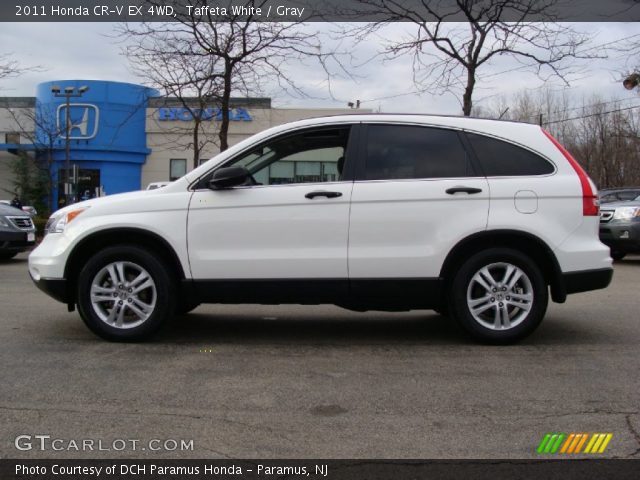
(469, 190)
(322, 193)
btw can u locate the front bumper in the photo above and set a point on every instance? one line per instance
(621, 237)
(56, 288)
(17, 241)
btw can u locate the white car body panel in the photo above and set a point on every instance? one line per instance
(405, 228)
(269, 232)
(376, 229)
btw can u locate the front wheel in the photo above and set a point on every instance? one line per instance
(124, 294)
(499, 296)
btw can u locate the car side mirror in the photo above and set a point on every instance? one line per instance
(229, 177)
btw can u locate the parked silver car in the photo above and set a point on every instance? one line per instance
(620, 227)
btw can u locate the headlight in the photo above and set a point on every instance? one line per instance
(56, 223)
(626, 213)
(3, 222)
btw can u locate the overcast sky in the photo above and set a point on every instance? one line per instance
(86, 51)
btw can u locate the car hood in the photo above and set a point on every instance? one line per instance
(9, 210)
(129, 196)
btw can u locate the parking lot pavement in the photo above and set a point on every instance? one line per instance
(319, 382)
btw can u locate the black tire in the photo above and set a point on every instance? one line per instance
(501, 304)
(617, 255)
(133, 257)
(4, 256)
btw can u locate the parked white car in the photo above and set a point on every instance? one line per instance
(481, 220)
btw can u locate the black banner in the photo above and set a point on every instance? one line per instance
(319, 469)
(316, 10)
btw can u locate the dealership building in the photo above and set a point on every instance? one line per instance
(121, 136)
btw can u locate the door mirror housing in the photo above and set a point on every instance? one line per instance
(229, 177)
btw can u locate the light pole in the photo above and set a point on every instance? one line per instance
(68, 94)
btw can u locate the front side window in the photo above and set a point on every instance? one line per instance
(406, 152)
(501, 159)
(177, 168)
(313, 156)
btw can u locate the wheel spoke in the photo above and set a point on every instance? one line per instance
(483, 308)
(487, 275)
(113, 275)
(506, 321)
(102, 294)
(120, 319)
(148, 283)
(478, 279)
(120, 270)
(101, 297)
(144, 307)
(478, 301)
(507, 274)
(139, 279)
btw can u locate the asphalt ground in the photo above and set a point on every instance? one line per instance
(251, 381)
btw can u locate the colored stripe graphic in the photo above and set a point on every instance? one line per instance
(573, 443)
(551, 443)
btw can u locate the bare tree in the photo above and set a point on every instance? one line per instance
(40, 128)
(167, 61)
(603, 134)
(234, 53)
(450, 57)
(12, 68)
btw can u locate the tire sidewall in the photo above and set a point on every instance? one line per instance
(165, 303)
(458, 296)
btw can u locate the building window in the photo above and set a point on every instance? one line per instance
(177, 168)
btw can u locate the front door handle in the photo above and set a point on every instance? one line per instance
(469, 190)
(322, 193)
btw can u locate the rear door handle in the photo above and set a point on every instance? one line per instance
(469, 190)
(322, 193)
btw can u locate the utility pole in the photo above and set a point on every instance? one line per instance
(68, 94)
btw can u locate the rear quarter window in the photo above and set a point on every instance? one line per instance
(498, 158)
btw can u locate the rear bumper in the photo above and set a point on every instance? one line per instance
(587, 280)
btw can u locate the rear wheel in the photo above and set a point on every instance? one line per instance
(499, 296)
(124, 294)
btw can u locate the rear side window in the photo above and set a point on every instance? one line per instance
(502, 159)
(405, 152)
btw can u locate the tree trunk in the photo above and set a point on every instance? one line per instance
(467, 103)
(196, 144)
(225, 102)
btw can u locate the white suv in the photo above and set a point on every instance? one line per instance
(481, 220)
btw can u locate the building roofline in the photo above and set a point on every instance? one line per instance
(258, 102)
(17, 102)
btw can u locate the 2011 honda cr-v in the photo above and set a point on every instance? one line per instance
(481, 220)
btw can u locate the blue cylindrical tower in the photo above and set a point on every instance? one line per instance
(107, 138)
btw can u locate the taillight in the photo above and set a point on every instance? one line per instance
(590, 203)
